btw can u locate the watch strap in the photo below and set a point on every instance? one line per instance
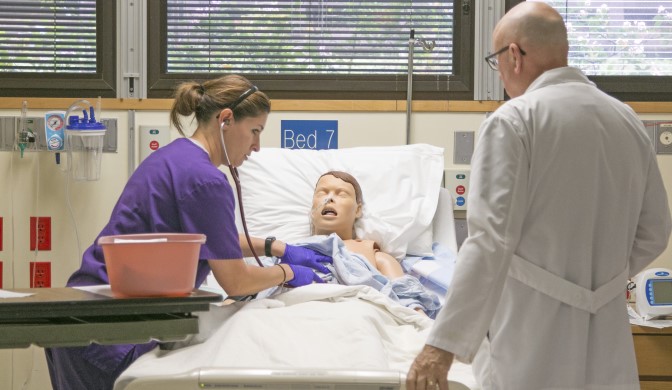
(267, 246)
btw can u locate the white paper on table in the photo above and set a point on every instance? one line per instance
(103, 289)
(12, 294)
(636, 319)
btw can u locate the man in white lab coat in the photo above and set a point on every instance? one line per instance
(566, 203)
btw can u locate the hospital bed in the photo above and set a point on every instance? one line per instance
(324, 336)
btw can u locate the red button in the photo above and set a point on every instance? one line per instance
(154, 145)
(460, 190)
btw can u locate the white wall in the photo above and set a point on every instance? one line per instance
(34, 185)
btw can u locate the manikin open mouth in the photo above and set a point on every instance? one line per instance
(329, 211)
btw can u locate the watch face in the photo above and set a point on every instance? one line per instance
(55, 122)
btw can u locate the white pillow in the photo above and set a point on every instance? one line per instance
(400, 186)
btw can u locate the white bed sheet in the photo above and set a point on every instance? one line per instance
(329, 327)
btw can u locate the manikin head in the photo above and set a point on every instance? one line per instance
(337, 204)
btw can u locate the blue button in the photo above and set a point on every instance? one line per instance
(460, 201)
(662, 273)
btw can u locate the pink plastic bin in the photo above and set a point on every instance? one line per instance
(153, 264)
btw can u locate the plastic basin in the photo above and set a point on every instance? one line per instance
(152, 264)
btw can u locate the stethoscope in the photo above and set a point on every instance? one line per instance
(236, 180)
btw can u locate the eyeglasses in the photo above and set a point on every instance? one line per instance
(492, 60)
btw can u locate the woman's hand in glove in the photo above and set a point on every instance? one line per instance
(298, 255)
(303, 276)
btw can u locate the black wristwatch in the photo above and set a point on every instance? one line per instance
(267, 246)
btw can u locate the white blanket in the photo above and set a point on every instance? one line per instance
(321, 326)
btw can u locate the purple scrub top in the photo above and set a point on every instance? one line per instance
(174, 190)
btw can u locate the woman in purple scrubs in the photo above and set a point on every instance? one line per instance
(179, 188)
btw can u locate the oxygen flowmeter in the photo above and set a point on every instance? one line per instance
(54, 131)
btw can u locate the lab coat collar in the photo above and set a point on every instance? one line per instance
(562, 75)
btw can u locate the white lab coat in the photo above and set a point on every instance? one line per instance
(564, 179)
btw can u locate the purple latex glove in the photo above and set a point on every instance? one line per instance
(303, 276)
(299, 255)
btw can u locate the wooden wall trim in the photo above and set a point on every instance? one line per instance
(310, 105)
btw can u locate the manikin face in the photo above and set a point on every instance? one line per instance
(335, 207)
(243, 137)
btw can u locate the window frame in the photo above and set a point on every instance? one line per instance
(103, 83)
(628, 88)
(459, 86)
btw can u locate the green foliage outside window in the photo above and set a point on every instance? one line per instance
(609, 40)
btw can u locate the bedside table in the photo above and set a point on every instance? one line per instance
(653, 349)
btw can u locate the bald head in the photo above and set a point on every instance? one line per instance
(539, 30)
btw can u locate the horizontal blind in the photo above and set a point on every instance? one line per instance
(619, 38)
(48, 36)
(308, 37)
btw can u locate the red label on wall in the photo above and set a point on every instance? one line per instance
(154, 145)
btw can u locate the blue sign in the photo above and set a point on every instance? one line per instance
(308, 134)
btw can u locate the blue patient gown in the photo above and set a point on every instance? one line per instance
(176, 189)
(354, 269)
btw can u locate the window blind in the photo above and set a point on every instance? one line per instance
(56, 36)
(289, 37)
(618, 38)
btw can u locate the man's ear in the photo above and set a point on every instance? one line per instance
(359, 210)
(517, 58)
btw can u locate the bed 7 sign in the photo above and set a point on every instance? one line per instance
(309, 134)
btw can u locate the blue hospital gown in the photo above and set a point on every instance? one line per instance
(176, 189)
(354, 269)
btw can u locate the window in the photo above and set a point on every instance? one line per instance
(623, 46)
(323, 49)
(57, 48)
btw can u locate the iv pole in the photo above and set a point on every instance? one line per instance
(412, 43)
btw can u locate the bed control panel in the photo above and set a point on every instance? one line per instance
(457, 182)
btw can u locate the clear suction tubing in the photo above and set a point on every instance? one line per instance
(84, 141)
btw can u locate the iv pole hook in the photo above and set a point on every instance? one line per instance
(412, 43)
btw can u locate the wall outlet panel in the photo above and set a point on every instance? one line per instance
(40, 274)
(152, 138)
(463, 147)
(457, 182)
(461, 231)
(7, 133)
(660, 133)
(40, 233)
(664, 138)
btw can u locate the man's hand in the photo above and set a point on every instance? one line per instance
(429, 371)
